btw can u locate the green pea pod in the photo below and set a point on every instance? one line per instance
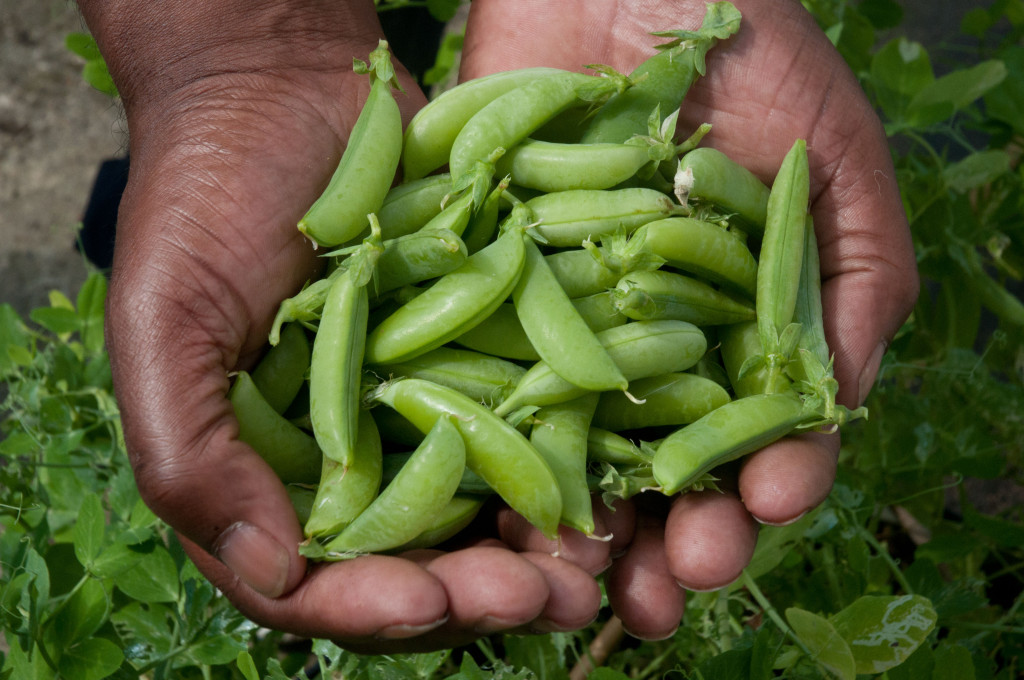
(367, 168)
(556, 329)
(513, 116)
(580, 273)
(730, 431)
(301, 496)
(670, 399)
(335, 370)
(501, 334)
(456, 516)
(495, 450)
(470, 482)
(599, 312)
(783, 247)
(410, 205)
(291, 453)
(417, 257)
(559, 434)
(808, 312)
(344, 492)
(483, 224)
(704, 249)
(605, 446)
(667, 295)
(480, 377)
(458, 301)
(432, 131)
(553, 166)
(408, 505)
(304, 307)
(663, 79)
(281, 372)
(712, 177)
(568, 218)
(740, 346)
(640, 349)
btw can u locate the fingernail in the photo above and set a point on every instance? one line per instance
(255, 557)
(650, 638)
(782, 523)
(401, 632)
(493, 624)
(870, 371)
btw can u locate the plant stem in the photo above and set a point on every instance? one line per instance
(606, 641)
(774, 615)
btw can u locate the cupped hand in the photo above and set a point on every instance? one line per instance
(777, 80)
(237, 114)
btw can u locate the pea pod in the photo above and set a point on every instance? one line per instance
(480, 377)
(669, 399)
(417, 257)
(666, 295)
(281, 372)
(605, 446)
(511, 117)
(367, 167)
(456, 516)
(408, 505)
(469, 483)
(730, 431)
(557, 331)
(640, 349)
(559, 434)
(553, 166)
(410, 205)
(457, 302)
(291, 453)
(664, 79)
(715, 178)
(336, 365)
(429, 137)
(704, 249)
(738, 344)
(495, 450)
(501, 334)
(568, 218)
(344, 492)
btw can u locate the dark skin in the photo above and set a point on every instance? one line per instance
(238, 113)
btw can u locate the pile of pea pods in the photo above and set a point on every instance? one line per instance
(556, 299)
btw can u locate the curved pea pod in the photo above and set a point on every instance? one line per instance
(301, 496)
(368, 164)
(336, 364)
(715, 178)
(559, 434)
(417, 257)
(304, 307)
(808, 312)
(281, 372)
(663, 79)
(291, 453)
(704, 249)
(568, 218)
(501, 334)
(670, 399)
(739, 343)
(461, 510)
(580, 273)
(599, 312)
(458, 301)
(470, 482)
(605, 446)
(666, 295)
(556, 329)
(554, 166)
(408, 505)
(513, 116)
(344, 492)
(483, 378)
(483, 223)
(640, 349)
(730, 431)
(495, 450)
(410, 205)
(429, 137)
(782, 248)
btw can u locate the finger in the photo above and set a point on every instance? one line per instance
(619, 521)
(783, 481)
(574, 597)
(709, 538)
(371, 602)
(489, 589)
(642, 590)
(592, 554)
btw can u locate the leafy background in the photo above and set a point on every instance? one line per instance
(913, 568)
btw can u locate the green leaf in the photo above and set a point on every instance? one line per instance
(91, 659)
(37, 595)
(82, 44)
(443, 10)
(154, 578)
(56, 319)
(899, 70)
(1005, 102)
(826, 645)
(774, 543)
(882, 14)
(114, 560)
(96, 74)
(953, 662)
(976, 170)
(82, 614)
(537, 653)
(146, 629)
(215, 650)
(882, 631)
(733, 664)
(961, 87)
(246, 666)
(91, 304)
(445, 60)
(87, 533)
(606, 673)
(14, 341)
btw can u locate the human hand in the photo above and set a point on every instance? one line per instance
(237, 114)
(777, 80)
